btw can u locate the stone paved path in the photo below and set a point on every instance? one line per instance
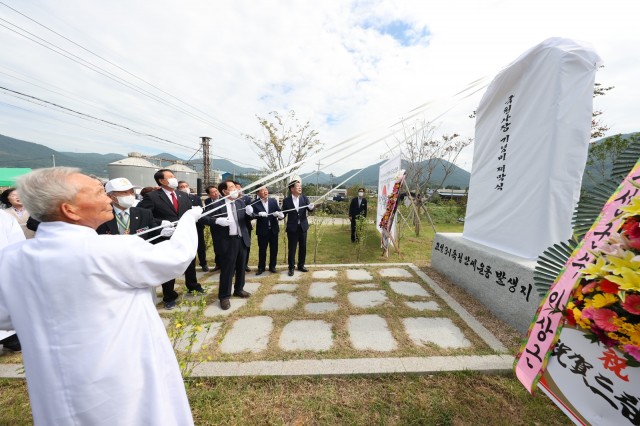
(338, 319)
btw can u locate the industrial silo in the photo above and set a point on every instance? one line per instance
(135, 168)
(182, 172)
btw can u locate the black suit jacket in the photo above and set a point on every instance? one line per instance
(262, 223)
(293, 216)
(221, 233)
(162, 207)
(355, 210)
(139, 220)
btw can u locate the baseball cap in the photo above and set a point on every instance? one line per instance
(119, 184)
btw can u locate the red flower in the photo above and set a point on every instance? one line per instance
(569, 317)
(631, 229)
(608, 287)
(602, 318)
(631, 304)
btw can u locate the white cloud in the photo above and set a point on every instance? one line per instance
(336, 63)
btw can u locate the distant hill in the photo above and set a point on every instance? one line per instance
(369, 176)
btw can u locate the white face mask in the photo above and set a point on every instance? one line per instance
(126, 201)
(360, 194)
(233, 194)
(185, 190)
(172, 183)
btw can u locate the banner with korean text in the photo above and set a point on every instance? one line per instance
(598, 290)
(386, 179)
(532, 134)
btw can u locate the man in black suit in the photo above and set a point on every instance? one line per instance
(357, 208)
(267, 213)
(214, 195)
(168, 204)
(295, 207)
(247, 202)
(233, 239)
(127, 219)
(202, 245)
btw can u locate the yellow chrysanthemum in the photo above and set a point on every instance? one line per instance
(628, 279)
(595, 270)
(617, 264)
(613, 335)
(624, 341)
(601, 300)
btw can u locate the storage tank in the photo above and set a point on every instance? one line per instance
(182, 172)
(135, 168)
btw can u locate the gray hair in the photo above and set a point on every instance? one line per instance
(43, 191)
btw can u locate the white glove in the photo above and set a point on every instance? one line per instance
(311, 206)
(249, 210)
(280, 215)
(167, 232)
(166, 224)
(223, 221)
(263, 214)
(195, 211)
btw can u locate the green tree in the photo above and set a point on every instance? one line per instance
(284, 140)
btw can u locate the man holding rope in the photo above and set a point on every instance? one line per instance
(295, 207)
(94, 349)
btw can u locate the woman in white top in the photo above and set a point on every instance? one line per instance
(11, 200)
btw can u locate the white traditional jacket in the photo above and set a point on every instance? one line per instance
(95, 350)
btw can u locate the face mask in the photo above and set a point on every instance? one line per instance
(233, 194)
(360, 194)
(185, 190)
(126, 201)
(172, 183)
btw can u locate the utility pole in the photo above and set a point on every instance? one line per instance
(53, 158)
(206, 160)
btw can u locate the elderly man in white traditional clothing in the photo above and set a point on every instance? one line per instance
(10, 232)
(95, 350)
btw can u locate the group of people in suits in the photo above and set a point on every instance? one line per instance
(230, 223)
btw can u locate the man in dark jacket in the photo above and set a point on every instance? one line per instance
(232, 239)
(267, 213)
(295, 207)
(214, 195)
(357, 208)
(168, 204)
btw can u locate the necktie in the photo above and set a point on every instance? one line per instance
(235, 218)
(123, 222)
(175, 201)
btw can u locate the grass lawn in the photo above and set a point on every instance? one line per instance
(442, 399)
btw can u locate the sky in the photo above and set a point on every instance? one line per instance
(173, 71)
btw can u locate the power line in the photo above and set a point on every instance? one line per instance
(119, 67)
(87, 116)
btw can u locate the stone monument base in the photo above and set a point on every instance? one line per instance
(500, 281)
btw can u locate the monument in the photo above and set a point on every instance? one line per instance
(532, 134)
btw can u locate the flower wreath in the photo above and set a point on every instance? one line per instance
(392, 202)
(606, 300)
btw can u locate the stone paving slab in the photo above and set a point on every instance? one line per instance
(323, 290)
(423, 306)
(395, 272)
(439, 331)
(306, 335)
(284, 276)
(408, 288)
(285, 287)
(370, 332)
(214, 309)
(251, 287)
(359, 275)
(321, 307)
(248, 335)
(352, 366)
(324, 274)
(203, 336)
(367, 299)
(278, 302)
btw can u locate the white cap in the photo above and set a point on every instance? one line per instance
(293, 180)
(119, 184)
